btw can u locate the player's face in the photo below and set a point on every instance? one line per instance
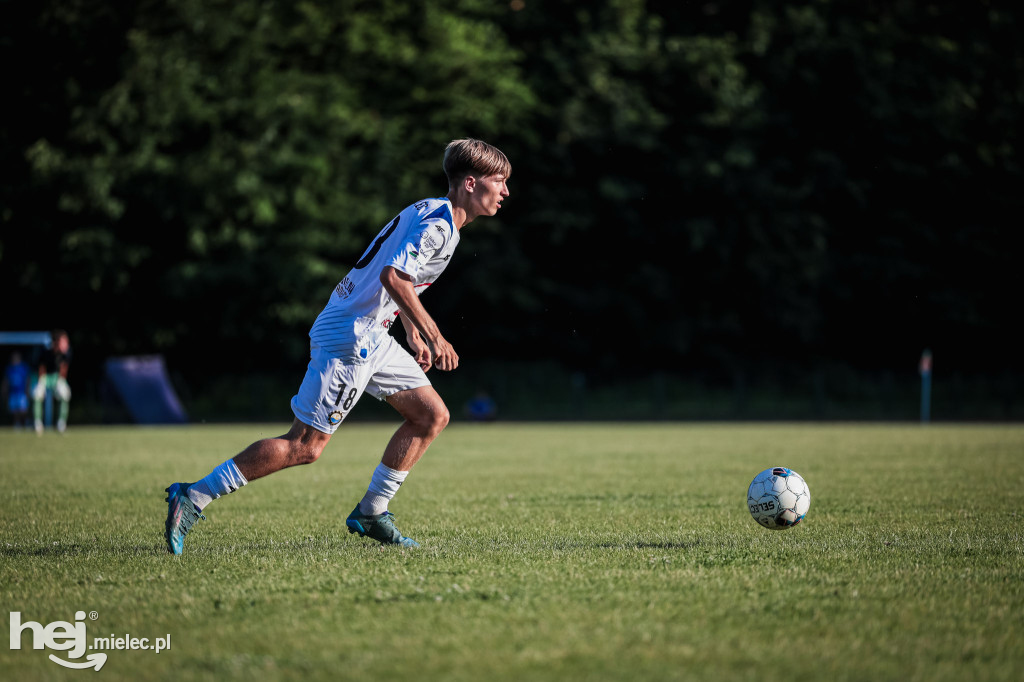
(489, 192)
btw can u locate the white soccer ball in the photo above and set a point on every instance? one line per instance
(778, 498)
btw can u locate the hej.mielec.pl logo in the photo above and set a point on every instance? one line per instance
(71, 637)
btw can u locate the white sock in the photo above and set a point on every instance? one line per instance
(225, 479)
(383, 486)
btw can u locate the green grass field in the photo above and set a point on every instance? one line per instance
(550, 552)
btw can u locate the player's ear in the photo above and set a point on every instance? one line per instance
(469, 183)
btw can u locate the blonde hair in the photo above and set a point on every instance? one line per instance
(473, 157)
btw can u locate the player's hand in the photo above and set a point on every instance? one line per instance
(444, 356)
(423, 359)
(420, 351)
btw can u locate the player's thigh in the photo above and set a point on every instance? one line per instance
(331, 388)
(402, 383)
(394, 372)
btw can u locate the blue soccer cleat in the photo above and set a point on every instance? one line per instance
(182, 514)
(380, 527)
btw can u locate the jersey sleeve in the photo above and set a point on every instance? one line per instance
(425, 239)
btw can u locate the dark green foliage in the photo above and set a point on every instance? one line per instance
(727, 186)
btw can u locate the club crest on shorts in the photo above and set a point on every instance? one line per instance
(334, 417)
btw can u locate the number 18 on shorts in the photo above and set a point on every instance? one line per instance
(333, 385)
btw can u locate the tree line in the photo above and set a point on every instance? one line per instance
(697, 186)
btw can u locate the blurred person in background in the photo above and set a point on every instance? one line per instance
(15, 389)
(481, 407)
(53, 381)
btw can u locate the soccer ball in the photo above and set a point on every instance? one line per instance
(778, 498)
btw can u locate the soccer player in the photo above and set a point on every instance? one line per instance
(351, 352)
(53, 378)
(15, 389)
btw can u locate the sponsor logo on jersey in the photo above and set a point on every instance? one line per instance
(430, 241)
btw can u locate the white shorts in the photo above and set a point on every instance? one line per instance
(331, 387)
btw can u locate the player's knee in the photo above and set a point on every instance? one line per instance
(311, 455)
(437, 419)
(431, 422)
(306, 453)
(305, 443)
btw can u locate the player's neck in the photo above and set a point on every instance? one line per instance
(461, 215)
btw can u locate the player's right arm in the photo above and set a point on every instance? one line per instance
(400, 287)
(420, 350)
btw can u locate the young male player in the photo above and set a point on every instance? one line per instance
(352, 352)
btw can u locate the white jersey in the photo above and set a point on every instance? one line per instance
(419, 242)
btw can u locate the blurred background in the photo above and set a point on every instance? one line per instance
(719, 210)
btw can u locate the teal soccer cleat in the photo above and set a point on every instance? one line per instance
(381, 528)
(182, 514)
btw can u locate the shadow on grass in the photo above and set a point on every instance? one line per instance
(322, 546)
(693, 544)
(71, 550)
